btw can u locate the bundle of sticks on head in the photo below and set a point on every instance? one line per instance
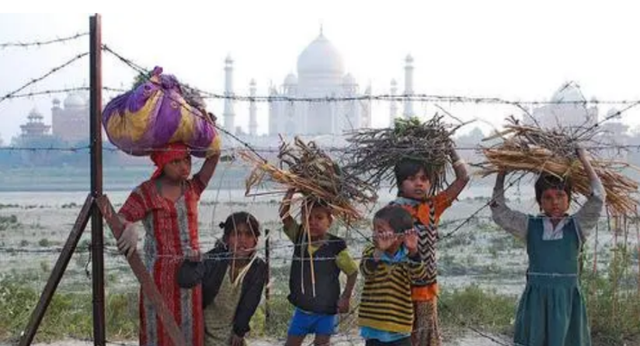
(307, 169)
(531, 148)
(373, 153)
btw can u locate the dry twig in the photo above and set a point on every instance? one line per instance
(536, 150)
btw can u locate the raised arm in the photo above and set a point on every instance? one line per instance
(462, 176)
(511, 221)
(588, 215)
(285, 208)
(213, 154)
(208, 168)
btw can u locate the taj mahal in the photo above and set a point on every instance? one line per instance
(320, 74)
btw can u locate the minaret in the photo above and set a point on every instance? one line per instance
(229, 116)
(393, 106)
(253, 120)
(408, 86)
(366, 108)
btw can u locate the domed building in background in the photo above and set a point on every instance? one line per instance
(320, 73)
(34, 128)
(567, 108)
(71, 121)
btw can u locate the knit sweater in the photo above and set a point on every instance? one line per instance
(386, 297)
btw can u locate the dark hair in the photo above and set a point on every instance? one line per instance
(314, 203)
(398, 218)
(407, 167)
(548, 181)
(239, 218)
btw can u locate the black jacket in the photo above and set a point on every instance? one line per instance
(210, 273)
(327, 275)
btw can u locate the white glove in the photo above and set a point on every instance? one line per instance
(128, 240)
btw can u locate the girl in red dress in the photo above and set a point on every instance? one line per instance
(167, 205)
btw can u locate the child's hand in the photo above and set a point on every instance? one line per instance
(411, 241)
(236, 340)
(384, 240)
(192, 255)
(582, 154)
(343, 305)
(289, 194)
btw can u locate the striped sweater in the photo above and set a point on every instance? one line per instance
(386, 297)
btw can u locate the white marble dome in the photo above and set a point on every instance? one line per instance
(569, 92)
(291, 79)
(349, 79)
(74, 101)
(320, 58)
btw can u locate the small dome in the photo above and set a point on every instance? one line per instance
(34, 114)
(393, 82)
(291, 79)
(320, 57)
(408, 59)
(56, 102)
(349, 79)
(74, 101)
(569, 92)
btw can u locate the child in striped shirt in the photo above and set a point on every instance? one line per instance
(390, 267)
(416, 193)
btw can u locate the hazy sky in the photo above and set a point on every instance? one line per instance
(519, 50)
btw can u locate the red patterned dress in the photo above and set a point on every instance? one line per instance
(171, 228)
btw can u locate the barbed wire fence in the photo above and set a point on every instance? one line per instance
(459, 223)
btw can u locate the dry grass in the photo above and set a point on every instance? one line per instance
(536, 150)
(307, 169)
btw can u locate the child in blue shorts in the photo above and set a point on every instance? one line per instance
(316, 306)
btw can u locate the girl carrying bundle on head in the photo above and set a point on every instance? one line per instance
(415, 193)
(552, 310)
(417, 154)
(167, 205)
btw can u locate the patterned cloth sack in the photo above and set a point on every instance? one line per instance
(157, 113)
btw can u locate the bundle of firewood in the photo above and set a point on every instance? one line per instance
(536, 150)
(373, 153)
(308, 170)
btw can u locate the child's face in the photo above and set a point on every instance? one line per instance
(384, 237)
(241, 241)
(179, 169)
(416, 186)
(319, 221)
(554, 202)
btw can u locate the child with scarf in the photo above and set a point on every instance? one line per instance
(167, 205)
(232, 277)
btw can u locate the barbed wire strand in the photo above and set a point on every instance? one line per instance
(275, 149)
(18, 44)
(44, 76)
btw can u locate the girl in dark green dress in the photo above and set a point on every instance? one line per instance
(552, 311)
